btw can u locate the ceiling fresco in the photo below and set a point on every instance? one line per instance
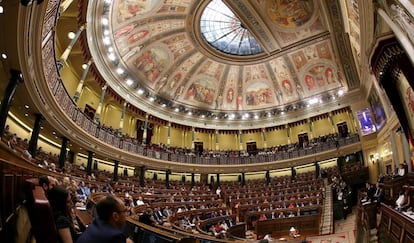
(153, 50)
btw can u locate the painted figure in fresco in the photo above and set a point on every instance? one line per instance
(410, 99)
(290, 14)
(175, 80)
(179, 92)
(287, 86)
(219, 101)
(148, 63)
(230, 95)
(279, 96)
(137, 36)
(161, 83)
(201, 92)
(124, 30)
(239, 102)
(130, 8)
(329, 76)
(310, 82)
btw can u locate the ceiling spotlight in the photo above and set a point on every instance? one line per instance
(4, 55)
(151, 99)
(107, 41)
(111, 56)
(129, 82)
(1, 10)
(26, 106)
(105, 21)
(84, 66)
(190, 113)
(140, 91)
(120, 71)
(26, 114)
(176, 109)
(256, 116)
(340, 92)
(164, 105)
(71, 35)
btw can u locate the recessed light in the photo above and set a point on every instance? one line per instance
(120, 70)
(26, 106)
(71, 35)
(129, 82)
(26, 114)
(1, 9)
(105, 21)
(140, 91)
(4, 55)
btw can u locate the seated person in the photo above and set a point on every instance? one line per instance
(379, 194)
(294, 233)
(107, 226)
(401, 170)
(401, 200)
(148, 217)
(407, 201)
(61, 203)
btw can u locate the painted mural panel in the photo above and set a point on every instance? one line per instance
(407, 95)
(289, 14)
(152, 62)
(201, 90)
(258, 93)
(130, 8)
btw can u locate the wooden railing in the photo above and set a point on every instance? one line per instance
(395, 226)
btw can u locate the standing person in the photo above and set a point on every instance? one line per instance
(107, 226)
(61, 203)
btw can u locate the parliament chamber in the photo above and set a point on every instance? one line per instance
(212, 121)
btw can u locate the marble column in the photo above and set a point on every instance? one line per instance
(35, 135)
(62, 156)
(15, 79)
(89, 164)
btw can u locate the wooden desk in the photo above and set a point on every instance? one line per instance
(396, 226)
(307, 225)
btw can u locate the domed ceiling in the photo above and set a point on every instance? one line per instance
(205, 62)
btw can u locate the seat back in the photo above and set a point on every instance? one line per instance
(40, 213)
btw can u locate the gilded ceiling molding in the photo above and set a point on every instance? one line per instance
(343, 46)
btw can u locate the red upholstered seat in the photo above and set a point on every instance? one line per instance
(40, 213)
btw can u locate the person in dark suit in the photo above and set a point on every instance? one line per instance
(107, 226)
(379, 194)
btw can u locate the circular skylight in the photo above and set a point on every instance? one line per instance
(224, 31)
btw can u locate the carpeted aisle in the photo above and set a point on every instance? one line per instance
(345, 232)
(327, 213)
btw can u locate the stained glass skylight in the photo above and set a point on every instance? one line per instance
(224, 31)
